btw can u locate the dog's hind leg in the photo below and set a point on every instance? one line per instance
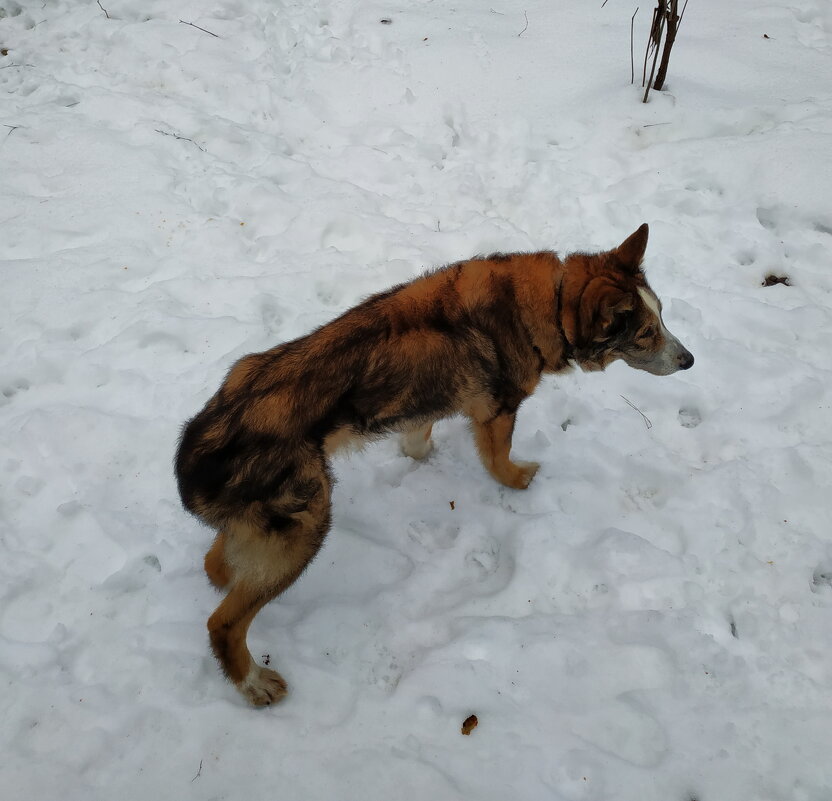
(264, 560)
(416, 442)
(219, 574)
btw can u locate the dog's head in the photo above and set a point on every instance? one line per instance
(609, 312)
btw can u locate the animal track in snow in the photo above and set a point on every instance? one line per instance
(343, 234)
(484, 560)
(689, 417)
(328, 293)
(21, 385)
(767, 218)
(822, 578)
(272, 317)
(11, 10)
(431, 536)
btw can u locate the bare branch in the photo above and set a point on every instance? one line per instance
(664, 25)
(672, 18)
(656, 38)
(527, 24)
(647, 49)
(106, 13)
(199, 29)
(181, 138)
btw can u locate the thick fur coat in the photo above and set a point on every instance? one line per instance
(473, 338)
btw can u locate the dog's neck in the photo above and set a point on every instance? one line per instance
(567, 350)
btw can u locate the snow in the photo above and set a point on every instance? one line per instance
(651, 620)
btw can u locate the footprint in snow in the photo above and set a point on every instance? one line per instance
(344, 235)
(272, 317)
(822, 578)
(767, 218)
(328, 293)
(10, 390)
(689, 417)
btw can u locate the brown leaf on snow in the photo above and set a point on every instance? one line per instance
(470, 724)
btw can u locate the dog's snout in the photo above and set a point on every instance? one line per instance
(685, 360)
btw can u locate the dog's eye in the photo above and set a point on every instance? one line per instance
(618, 324)
(648, 332)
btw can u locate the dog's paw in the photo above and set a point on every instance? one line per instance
(262, 686)
(521, 474)
(527, 471)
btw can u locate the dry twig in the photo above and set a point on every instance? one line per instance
(177, 136)
(643, 415)
(527, 24)
(106, 13)
(199, 29)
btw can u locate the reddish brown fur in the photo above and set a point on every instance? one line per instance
(473, 338)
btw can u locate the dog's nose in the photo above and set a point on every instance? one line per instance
(685, 360)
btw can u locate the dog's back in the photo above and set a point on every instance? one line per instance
(416, 353)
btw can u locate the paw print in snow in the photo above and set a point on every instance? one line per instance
(689, 417)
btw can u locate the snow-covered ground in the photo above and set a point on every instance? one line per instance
(650, 621)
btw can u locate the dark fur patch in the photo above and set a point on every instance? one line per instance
(277, 523)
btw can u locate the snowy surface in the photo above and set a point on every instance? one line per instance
(651, 621)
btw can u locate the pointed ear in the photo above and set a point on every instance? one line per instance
(631, 251)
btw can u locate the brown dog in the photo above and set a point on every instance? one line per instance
(473, 338)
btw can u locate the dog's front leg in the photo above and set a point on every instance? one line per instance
(493, 439)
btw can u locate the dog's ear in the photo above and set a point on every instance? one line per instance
(630, 253)
(604, 310)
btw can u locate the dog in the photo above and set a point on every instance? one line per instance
(473, 338)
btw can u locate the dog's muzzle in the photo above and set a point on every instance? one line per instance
(674, 356)
(685, 359)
